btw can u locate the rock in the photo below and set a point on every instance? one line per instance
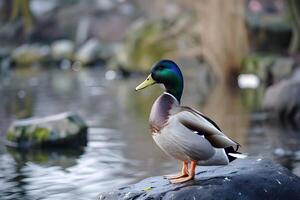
(63, 130)
(282, 67)
(90, 52)
(282, 99)
(242, 179)
(62, 49)
(30, 53)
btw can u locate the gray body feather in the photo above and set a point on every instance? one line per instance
(186, 135)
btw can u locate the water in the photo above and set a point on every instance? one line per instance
(120, 150)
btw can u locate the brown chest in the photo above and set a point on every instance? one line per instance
(160, 112)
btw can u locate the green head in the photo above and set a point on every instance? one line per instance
(165, 72)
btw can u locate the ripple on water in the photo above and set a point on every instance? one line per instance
(91, 173)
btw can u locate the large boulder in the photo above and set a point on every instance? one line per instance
(242, 179)
(62, 130)
(27, 54)
(91, 51)
(282, 99)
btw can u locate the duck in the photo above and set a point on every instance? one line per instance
(183, 132)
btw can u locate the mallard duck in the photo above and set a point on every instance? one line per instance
(183, 132)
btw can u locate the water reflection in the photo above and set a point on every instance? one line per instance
(120, 148)
(20, 95)
(47, 157)
(226, 108)
(285, 144)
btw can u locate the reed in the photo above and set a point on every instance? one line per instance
(22, 8)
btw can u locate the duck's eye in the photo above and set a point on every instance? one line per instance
(160, 67)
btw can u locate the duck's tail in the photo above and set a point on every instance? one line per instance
(238, 155)
(233, 154)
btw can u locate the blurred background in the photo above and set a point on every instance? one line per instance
(240, 60)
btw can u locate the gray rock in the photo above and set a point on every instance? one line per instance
(282, 67)
(62, 49)
(63, 129)
(242, 179)
(30, 53)
(282, 99)
(90, 51)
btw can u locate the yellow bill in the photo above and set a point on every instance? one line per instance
(149, 81)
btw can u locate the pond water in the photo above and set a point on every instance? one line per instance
(120, 150)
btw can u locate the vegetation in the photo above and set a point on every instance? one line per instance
(149, 41)
(30, 134)
(21, 7)
(294, 11)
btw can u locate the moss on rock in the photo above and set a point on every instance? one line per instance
(41, 134)
(57, 130)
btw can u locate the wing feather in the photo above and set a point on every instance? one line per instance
(196, 121)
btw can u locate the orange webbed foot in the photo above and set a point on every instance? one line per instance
(189, 177)
(182, 180)
(176, 176)
(184, 172)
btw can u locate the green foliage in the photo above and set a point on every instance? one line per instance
(146, 44)
(294, 14)
(256, 64)
(252, 99)
(143, 47)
